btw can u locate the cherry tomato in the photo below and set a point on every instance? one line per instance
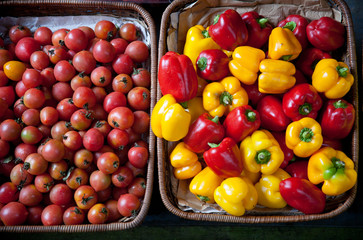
(93, 140)
(62, 90)
(102, 126)
(60, 194)
(108, 162)
(138, 156)
(19, 176)
(141, 77)
(43, 182)
(58, 170)
(31, 135)
(76, 178)
(14, 70)
(35, 215)
(103, 51)
(105, 29)
(64, 71)
(117, 138)
(72, 140)
(80, 80)
(84, 97)
(85, 197)
(137, 187)
(43, 35)
(22, 150)
(34, 98)
(30, 196)
(83, 158)
(99, 180)
(39, 60)
(3, 78)
(31, 117)
(113, 213)
(32, 78)
(128, 205)
(8, 193)
(48, 116)
(119, 44)
(59, 129)
(52, 215)
(129, 32)
(66, 108)
(13, 213)
(73, 216)
(141, 122)
(7, 93)
(84, 61)
(5, 148)
(97, 214)
(58, 37)
(121, 118)
(25, 47)
(139, 98)
(123, 64)
(113, 100)
(101, 76)
(138, 51)
(35, 164)
(81, 119)
(122, 177)
(10, 130)
(5, 56)
(53, 150)
(18, 32)
(48, 77)
(90, 34)
(57, 54)
(122, 83)
(76, 40)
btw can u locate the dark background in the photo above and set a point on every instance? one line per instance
(161, 224)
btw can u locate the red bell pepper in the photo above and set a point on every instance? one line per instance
(254, 95)
(202, 131)
(259, 29)
(271, 114)
(301, 194)
(229, 30)
(300, 77)
(224, 159)
(297, 24)
(333, 143)
(298, 169)
(212, 64)
(326, 34)
(177, 76)
(301, 101)
(241, 122)
(309, 58)
(338, 117)
(288, 153)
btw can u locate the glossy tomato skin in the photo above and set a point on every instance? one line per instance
(105, 29)
(103, 51)
(138, 156)
(97, 214)
(53, 150)
(85, 197)
(43, 182)
(122, 83)
(141, 77)
(121, 118)
(8, 193)
(83, 61)
(66, 108)
(19, 175)
(139, 98)
(108, 162)
(117, 138)
(93, 140)
(10, 130)
(76, 40)
(61, 194)
(43, 35)
(39, 60)
(100, 181)
(113, 213)
(30, 196)
(137, 187)
(128, 204)
(35, 215)
(83, 158)
(123, 64)
(113, 100)
(138, 51)
(77, 177)
(84, 97)
(18, 32)
(25, 47)
(52, 215)
(62, 90)
(35, 164)
(13, 213)
(119, 44)
(73, 216)
(129, 32)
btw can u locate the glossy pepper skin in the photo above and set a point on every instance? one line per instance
(297, 24)
(326, 34)
(298, 169)
(236, 195)
(219, 98)
(268, 189)
(301, 101)
(332, 78)
(245, 63)
(271, 113)
(224, 158)
(308, 59)
(177, 76)
(194, 107)
(332, 168)
(288, 153)
(185, 162)
(212, 64)
(338, 117)
(229, 30)
(261, 152)
(241, 122)
(254, 95)
(169, 120)
(304, 137)
(283, 44)
(202, 131)
(301, 194)
(204, 184)
(259, 29)
(197, 40)
(277, 76)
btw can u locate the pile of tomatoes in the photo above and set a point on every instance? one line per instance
(74, 124)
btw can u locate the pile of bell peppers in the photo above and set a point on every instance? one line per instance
(259, 112)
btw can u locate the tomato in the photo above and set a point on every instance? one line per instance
(99, 180)
(103, 51)
(52, 215)
(138, 51)
(66, 108)
(83, 158)
(100, 93)
(84, 97)
(138, 156)
(108, 162)
(84, 61)
(5, 56)
(18, 32)
(31, 117)
(53, 150)
(101, 76)
(139, 98)
(90, 34)
(58, 37)
(122, 83)
(34, 98)
(48, 77)
(32, 78)
(137, 187)
(7, 93)
(62, 90)
(35, 164)
(59, 129)
(43, 35)
(119, 44)
(43, 182)
(35, 215)
(3, 78)
(113, 213)
(123, 64)
(122, 177)
(5, 148)
(98, 112)
(121, 118)
(25, 47)
(113, 100)
(102, 126)
(10, 130)
(105, 29)
(58, 170)
(14, 70)
(141, 77)
(117, 138)
(117, 192)
(31, 135)
(30, 196)
(39, 60)
(22, 150)
(3, 107)
(129, 32)
(76, 40)
(8, 193)
(57, 54)
(104, 195)
(49, 116)
(141, 122)
(128, 205)
(77, 177)
(97, 214)
(81, 119)
(60, 194)
(73, 216)
(93, 140)
(19, 176)
(85, 197)
(64, 71)
(80, 80)
(72, 140)
(13, 213)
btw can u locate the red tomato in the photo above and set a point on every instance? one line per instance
(43, 35)
(13, 213)
(77, 177)
(5, 148)
(119, 44)
(59, 129)
(61, 90)
(7, 93)
(76, 40)
(113, 213)
(30, 196)
(90, 34)
(138, 156)
(53, 150)
(10, 130)
(83, 158)
(58, 37)
(102, 126)
(117, 138)
(97, 214)
(73, 216)
(31, 117)
(8, 193)
(39, 60)
(85, 197)
(101, 76)
(138, 51)
(48, 77)
(121, 118)
(84, 97)
(122, 177)
(64, 71)
(44, 182)
(48, 116)
(52, 215)
(123, 64)
(103, 51)
(5, 56)
(35, 164)
(141, 77)
(35, 215)
(31, 135)
(105, 29)
(60, 194)
(137, 187)
(72, 140)
(66, 108)
(18, 32)
(25, 47)
(108, 162)
(129, 32)
(99, 180)
(81, 119)
(57, 54)
(122, 83)
(34, 98)
(93, 140)
(128, 205)
(80, 80)
(22, 150)
(84, 61)
(31, 78)
(141, 122)
(113, 100)
(139, 98)
(58, 170)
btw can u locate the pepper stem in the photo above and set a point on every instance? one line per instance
(203, 198)
(263, 156)
(340, 104)
(262, 22)
(251, 115)
(338, 165)
(286, 57)
(216, 19)
(306, 134)
(226, 98)
(290, 25)
(205, 34)
(305, 109)
(202, 63)
(213, 145)
(342, 71)
(215, 119)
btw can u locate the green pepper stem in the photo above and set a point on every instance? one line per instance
(226, 98)
(213, 145)
(216, 19)
(290, 25)
(215, 119)
(340, 104)
(305, 109)
(262, 22)
(202, 63)
(342, 71)
(262, 156)
(286, 57)
(205, 34)
(306, 135)
(251, 115)
(203, 198)
(338, 166)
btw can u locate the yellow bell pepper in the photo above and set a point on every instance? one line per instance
(185, 162)
(195, 107)
(236, 195)
(197, 40)
(268, 189)
(332, 168)
(204, 184)
(276, 76)
(245, 63)
(304, 137)
(254, 177)
(332, 78)
(261, 152)
(169, 120)
(220, 98)
(283, 45)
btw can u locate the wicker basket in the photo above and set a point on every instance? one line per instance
(173, 39)
(115, 11)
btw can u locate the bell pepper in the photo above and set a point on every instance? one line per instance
(304, 137)
(236, 195)
(297, 24)
(245, 63)
(201, 85)
(224, 158)
(197, 40)
(177, 76)
(169, 120)
(219, 98)
(309, 58)
(195, 107)
(204, 184)
(261, 152)
(338, 117)
(332, 168)
(268, 189)
(241, 122)
(301, 101)
(332, 78)
(258, 27)
(254, 95)
(185, 162)
(300, 77)
(326, 34)
(271, 114)
(212, 64)
(334, 143)
(298, 169)
(229, 30)
(301, 194)
(202, 131)
(283, 44)
(253, 177)
(288, 153)
(276, 76)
